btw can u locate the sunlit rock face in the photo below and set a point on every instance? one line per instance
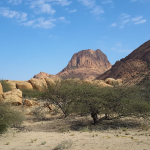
(86, 64)
(133, 69)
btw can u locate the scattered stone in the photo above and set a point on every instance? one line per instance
(30, 102)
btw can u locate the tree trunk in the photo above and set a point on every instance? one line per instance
(106, 116)
(94, 116)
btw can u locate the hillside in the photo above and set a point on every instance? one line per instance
(133, 69)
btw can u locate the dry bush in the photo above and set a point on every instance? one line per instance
(8, 117)
(39, 113)
(64, 145)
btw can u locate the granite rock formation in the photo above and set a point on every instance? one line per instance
(45, 75)
(86, 64)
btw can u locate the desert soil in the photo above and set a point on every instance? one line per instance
(78, 133)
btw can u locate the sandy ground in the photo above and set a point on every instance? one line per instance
(78, 133)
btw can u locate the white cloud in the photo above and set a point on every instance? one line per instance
(62, 2)
(124, 16)
(23, 16)
(97, 10)
(6, 12)
(40, 6)
(113, 25)
(63, 19)
(137, 18)
(125, 19)
(42, 23)
(29, 23)
(45, 6)
(140, 22)
(89, 3)
(106, 1)
(15, 2)
(73, 11)
(121, 27)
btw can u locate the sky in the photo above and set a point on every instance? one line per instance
(42, 35)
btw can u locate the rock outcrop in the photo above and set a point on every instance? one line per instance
(23, 85)
(38, 84)
(114, 82)
(30, 103)
(1, 89)
(11, 83)
(42, 75)
(86, 64)
(133, 69)
(14, 97)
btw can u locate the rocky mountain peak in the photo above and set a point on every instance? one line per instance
(88, 59)
(86, 62)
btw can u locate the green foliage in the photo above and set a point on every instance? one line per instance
(8, 117)
(26, 93)
(6, 86)
(124, 101)
(61, 94)
(75, 96)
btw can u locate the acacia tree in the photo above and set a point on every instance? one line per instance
(86, 98)
(75, 96)
(61, 94)
(122, 101)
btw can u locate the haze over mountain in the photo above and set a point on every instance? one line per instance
(134, 68)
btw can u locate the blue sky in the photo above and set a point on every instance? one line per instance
(42, 35)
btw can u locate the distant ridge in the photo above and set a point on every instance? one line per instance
(134, 68)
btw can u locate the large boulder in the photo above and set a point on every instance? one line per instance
(38, 84)
(13, 97)
(1, 89)
(50, 81)
(23, 85)
(30, 102)
(101, 83)
(112, 81)
(12, 84)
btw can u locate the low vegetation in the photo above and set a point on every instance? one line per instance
(9, 117)
(85, 98)
(28, 93)
(6, 86)
(66, 144)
